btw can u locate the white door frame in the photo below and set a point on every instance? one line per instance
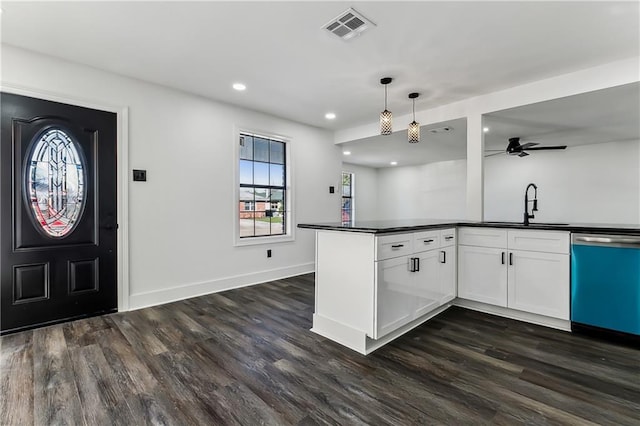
(122, 175)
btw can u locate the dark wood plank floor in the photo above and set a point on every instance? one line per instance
(247, 357)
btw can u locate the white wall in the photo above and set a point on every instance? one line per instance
(430, 191)
(585, 184)
(365, 191)
(181, 219)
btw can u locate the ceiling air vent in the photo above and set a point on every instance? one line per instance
(348, 24)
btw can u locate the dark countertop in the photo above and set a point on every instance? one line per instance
(411, 225)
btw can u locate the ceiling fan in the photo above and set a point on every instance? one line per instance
(515, 148)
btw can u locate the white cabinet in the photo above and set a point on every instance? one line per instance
(426, 282)
(482, 274)
(414, 276)
(448, 274)
(519, 269)
(538, 283)
(394, 295)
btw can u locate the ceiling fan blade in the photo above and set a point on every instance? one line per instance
(522, 154)
(495, 153)
(528, 144)
(542, 148)
(494, 150)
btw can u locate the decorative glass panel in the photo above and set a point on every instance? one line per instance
(55, 184)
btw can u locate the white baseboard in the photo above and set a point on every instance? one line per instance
(187, 291)
(556, 323)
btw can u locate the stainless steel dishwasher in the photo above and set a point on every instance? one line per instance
(605, 282)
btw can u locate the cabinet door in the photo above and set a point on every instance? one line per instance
(394, 295)
(448, 274)
(539, 283)
(426, 283)
(482, 276)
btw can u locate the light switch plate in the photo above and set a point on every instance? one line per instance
(139, 175)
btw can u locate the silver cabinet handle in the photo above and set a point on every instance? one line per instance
(448, 237)
(428, 241)
(397, 246)
(443, 257)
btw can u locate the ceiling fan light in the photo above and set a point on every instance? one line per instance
(413, 133)
(386, 122)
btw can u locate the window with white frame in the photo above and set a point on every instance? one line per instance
(263, 196)
(347, 197)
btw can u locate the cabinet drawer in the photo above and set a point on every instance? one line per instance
(483, 237)
(447, 237)
(390, 246)
(426, 240)
(542, 241)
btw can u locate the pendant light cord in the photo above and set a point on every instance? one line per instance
(385, 97)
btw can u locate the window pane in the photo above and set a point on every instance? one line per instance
(246, 147)
(263, 223)
(260, 149)
(277, 195)
(346, 178)
(261, 195)
(276, 174)
(246, 172)
(247, 225)
(277, 152)
(261, 173)
(346, 190)
(277, 204)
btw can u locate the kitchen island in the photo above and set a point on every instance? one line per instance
(377, 280)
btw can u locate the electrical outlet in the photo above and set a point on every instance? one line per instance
(332, 189)
(268, 252)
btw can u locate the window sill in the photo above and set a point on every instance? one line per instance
(253, 241)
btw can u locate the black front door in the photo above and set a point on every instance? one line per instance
(58, 210)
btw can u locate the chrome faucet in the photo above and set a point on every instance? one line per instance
(528, 216)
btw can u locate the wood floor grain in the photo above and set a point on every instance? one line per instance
(247, 357)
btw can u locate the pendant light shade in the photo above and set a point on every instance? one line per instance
(386, 118)
(413, 132)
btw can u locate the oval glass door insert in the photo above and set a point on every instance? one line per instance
(55, 183)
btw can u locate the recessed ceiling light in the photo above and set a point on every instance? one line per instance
(329, 116)
(486, 129)
(346, 152)
(394, 163)
(239, 86)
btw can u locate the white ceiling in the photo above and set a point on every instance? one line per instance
(447, 51)
(608, 115)
(379, 151)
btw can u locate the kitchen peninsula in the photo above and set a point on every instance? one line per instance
(377, 280)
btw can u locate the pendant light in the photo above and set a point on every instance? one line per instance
(413, 132)
(386, 118)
